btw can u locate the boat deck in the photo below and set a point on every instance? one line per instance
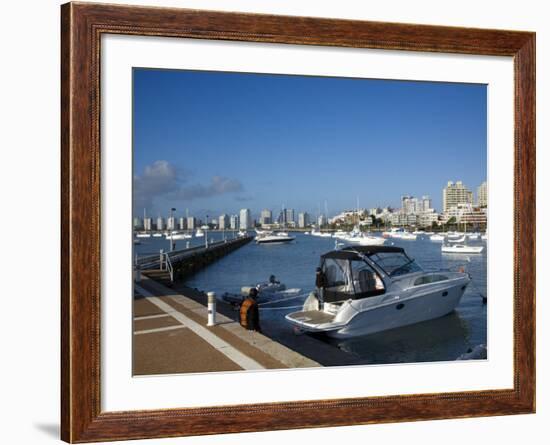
(313, 317)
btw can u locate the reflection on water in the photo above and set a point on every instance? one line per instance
(431, 340)
(294, 264)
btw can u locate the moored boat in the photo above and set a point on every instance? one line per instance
(367, 289)
(179, 236)
(461, 248)
(268, 291)
(274, 238)
(457, 240)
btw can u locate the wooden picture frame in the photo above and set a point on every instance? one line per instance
(82, 26)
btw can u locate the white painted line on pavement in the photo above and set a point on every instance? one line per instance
(166, 328)
(150, 317)
(222, 346)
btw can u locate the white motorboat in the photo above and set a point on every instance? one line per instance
(268, 291)
(242, 233)
(143, 235)
(366, 289)
(365, 240)
(408, 236)
(157, 235)
(306, 233)
(457, 240)
(179, 236)
(340, 234)
(395, 232)
(274, 238)
(199, 233)
(473, 235)
(454, 234)
(369, 240)
(461, 248)
(316, 232)
(437, 237)
(484, 237)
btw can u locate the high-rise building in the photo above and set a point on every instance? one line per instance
(426, 204)
(223, 222)
(408, 204)
(234, 222)
(191, 223)
(137, 223)
(182, 223)
(289, 216)
(148, 224)
(245, 220)
(266, 217)
(303, 220)
(482, 195)
(171, 223)
(160, 223)
(455, 194)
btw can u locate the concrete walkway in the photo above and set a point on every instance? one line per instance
(171, 336)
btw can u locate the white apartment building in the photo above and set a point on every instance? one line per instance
(245, 219)
(482, 195)
(191, 223)
(223, 222)
(160, 223)
(455, 194)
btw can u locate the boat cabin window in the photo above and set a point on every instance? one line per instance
(395, 263)
(353, 279)
(427, 279)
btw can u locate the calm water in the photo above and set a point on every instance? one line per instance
(294, 264)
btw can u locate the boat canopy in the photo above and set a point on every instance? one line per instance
(347, 276)
(354, 253)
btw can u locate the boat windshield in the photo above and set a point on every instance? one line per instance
(347, 279)
(395, 263)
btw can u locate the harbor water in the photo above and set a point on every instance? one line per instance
(294, 265)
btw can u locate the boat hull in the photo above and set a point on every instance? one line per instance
(400, 312)
(462, 249)
(414, 310)
(279, 240)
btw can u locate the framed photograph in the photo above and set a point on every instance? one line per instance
(274, 222)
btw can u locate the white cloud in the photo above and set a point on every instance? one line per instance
(163, 180)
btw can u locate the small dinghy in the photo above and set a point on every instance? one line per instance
(267, 291)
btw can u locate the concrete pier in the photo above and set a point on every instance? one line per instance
(179, 264)
(171, 336)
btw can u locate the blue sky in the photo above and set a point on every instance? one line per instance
(215, 142)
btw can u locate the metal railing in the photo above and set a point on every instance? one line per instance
(154, 261)
(169, 267)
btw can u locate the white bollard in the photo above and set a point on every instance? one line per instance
(211, 309)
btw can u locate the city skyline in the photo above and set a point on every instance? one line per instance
(415, 211)
(478, 198)
(215, 143)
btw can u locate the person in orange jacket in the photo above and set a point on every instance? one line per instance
(249, 312)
